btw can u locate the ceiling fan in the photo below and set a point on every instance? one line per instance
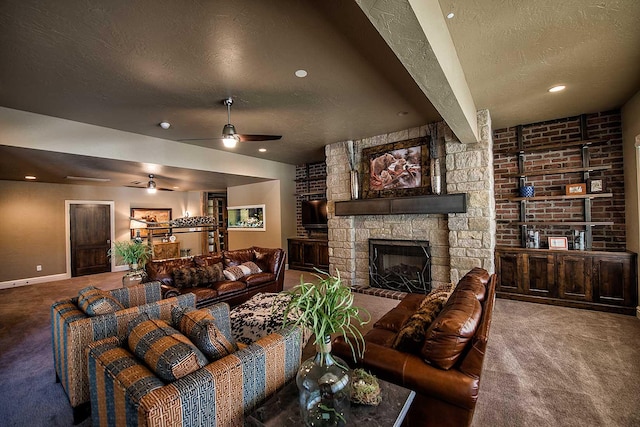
(151, 186)
(229, 135)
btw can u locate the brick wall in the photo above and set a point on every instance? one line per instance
(304, 186)
(605, 126)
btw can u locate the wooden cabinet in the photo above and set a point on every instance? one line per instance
(603, 281)
(308, 254)
(166, 250)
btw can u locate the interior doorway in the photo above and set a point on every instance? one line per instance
(90, 233)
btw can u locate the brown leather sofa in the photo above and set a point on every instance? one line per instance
(233, 292)
(445, 372)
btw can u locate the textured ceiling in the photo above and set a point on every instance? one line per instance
(129, 65)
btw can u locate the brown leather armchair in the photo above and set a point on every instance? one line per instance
(445, 373)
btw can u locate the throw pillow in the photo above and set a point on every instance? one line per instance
(164, 350)
(200, 327)
(184, 277)
(214, 273)
(252, 266)
(411, 335)
(95, 302)
(233, 273)
(442, 291)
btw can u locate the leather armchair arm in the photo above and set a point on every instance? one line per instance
(410, 371)
(169, 291)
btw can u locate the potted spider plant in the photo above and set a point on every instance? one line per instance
(134, 254)
(325, 307)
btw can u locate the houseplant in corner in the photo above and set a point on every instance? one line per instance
(325, 307)
(135, 254)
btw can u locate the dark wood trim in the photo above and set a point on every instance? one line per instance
(444, 204)
(568, 303)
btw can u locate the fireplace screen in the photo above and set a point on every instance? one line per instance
(400, 265)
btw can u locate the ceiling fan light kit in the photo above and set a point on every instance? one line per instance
(151, 185)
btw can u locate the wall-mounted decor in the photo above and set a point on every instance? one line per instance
(558, 243)
(574, 189)
(150, 215)
(397, 169)
(245, 218)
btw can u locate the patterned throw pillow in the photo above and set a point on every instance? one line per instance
(184, 277)
(233, 273)
(164, 350)
(95, 302)
(200, 327)
(442, 291)
(252, 268)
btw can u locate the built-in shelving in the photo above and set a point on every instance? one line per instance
(561, 197)
(559, 146)
(543, 172)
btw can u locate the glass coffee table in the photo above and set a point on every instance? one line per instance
(282, 408)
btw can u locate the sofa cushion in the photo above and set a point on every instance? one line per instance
(185, 277)
(200, 327)
(450, 332)
(259, 279)
(206, 260)
(234, 273)
(228, 286)
(237, 257)
(215, 272)
(412, 334)
(95, 302)
(394, 319)
(168, 353)
(267, 258)
(473, 284)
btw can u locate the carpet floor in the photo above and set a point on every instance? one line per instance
(545, 365)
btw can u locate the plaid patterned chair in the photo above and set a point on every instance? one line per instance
(72, 330)
(124, 391)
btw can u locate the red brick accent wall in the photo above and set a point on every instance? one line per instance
(302, 187)
(604, 126)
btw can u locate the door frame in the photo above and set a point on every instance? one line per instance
(67, 228)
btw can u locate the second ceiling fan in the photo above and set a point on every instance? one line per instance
(229, 135)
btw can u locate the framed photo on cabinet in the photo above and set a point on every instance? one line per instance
(558, 243)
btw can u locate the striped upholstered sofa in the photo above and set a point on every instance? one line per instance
(126, 391)
(72, 330)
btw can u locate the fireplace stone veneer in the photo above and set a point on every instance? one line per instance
(458, 241)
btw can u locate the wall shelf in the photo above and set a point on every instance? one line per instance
(312, 178)
(561, 197)
(444, 204)
(589, 223)
(542, 172)
(559, 146)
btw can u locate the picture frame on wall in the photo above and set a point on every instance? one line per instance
(159, 216)
(559, 243)
(398, 169)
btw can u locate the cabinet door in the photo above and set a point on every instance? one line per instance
(509, 266)
(613, 281)
(574, 277)
(323, 255)
(539, 275)
(295, 253)
(310, 254)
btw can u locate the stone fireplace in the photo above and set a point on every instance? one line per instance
(457, 241)
(400, 265)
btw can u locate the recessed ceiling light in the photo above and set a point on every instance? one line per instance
(165, 125)
(403, 113)
(176, 188)
(557, 88)
(450, 15)
(30, 177)
(301, 73)
(262, 150)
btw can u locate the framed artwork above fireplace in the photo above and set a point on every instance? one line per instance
(398, 169)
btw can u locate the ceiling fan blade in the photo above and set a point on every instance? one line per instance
(258, 137)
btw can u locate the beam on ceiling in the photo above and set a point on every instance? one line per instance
(417, 33)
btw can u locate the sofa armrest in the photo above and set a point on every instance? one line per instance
(410, 371)
(169, 291)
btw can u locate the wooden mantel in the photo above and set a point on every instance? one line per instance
(444, 204)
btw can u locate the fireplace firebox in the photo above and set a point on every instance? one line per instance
(400, 265)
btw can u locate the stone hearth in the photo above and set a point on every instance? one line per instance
(458, 241)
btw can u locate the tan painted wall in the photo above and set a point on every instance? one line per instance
(268, 194)
(630, 134)
(32, 228)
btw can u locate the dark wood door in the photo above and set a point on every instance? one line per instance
(509, 268)
(90, 234)
(574, 277)
(540, 275)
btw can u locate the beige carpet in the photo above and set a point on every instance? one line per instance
(545, 365)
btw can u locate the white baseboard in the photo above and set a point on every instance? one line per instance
(33, 280)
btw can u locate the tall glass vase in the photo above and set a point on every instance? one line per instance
(355, 185)
(323, 383)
